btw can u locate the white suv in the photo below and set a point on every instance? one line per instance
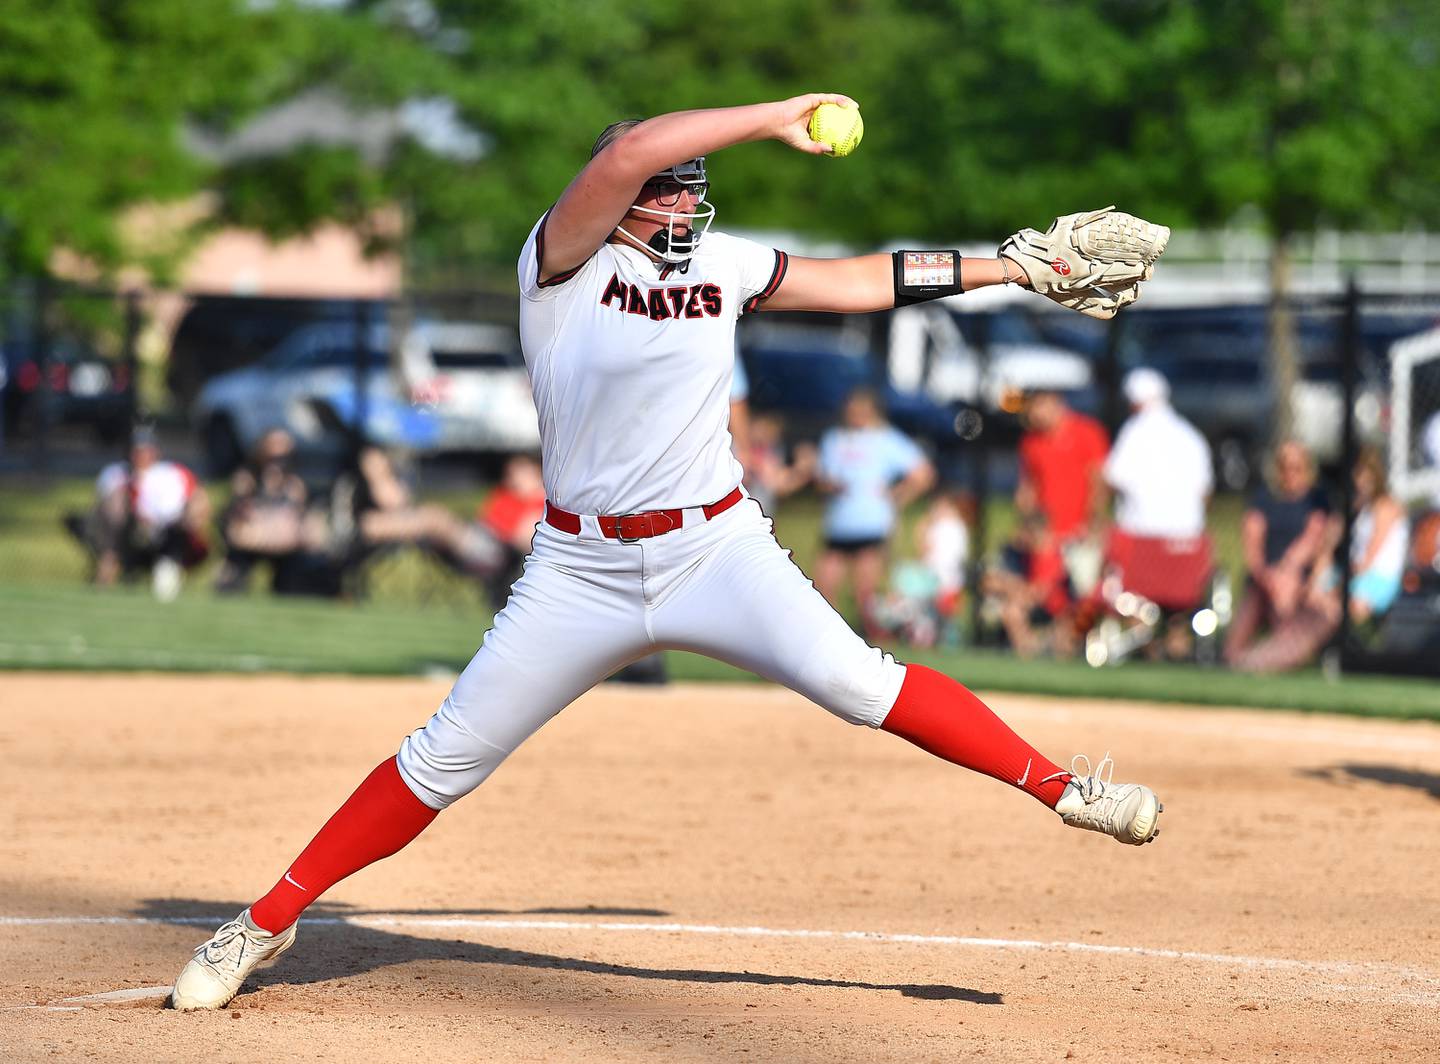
(459, 387)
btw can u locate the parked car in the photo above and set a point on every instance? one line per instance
(218, 334)
(472, 378)
(459, 388)
(74, 385)
(803, 367)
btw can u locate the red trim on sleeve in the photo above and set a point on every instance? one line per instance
(559, 278)
(782, 263)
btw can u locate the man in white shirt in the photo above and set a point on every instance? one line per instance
(1160, 466)
(627, 319)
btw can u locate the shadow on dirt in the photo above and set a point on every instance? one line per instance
(340, 951)
(185, 909)
(1424, 782)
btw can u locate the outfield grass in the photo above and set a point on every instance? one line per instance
(124, 628)
(50, 620)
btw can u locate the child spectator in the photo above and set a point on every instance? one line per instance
(923, 604)
(1030, 589)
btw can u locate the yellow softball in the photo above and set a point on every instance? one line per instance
(839, 127)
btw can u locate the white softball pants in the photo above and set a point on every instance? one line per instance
(587, 606)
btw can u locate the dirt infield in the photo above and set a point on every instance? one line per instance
(715, 873)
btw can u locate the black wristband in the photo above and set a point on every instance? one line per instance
(924, 275)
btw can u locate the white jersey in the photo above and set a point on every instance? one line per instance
(630, 362)
(1160, 466)
(158, 496)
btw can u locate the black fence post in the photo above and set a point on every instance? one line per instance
(1113, 409)
(980, 477)
(44, 401)
(362, 381)
(1349, 372)
(129, 355)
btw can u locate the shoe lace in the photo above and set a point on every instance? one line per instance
(221, 947)
(1090, 782)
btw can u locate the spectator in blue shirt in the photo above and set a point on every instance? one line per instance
(870, 471)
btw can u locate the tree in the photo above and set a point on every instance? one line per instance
(1315, 112)
(92, 93)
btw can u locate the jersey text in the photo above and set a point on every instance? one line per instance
(658, 304)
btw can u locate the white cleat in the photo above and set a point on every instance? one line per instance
(214, 974)
(1127, 812)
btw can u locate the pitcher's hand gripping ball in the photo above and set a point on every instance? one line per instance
(1092, 262)
(839, 127)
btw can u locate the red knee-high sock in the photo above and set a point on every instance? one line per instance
(379, 819)
(942, 717)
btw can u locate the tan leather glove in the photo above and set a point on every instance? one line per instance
(1092, 262)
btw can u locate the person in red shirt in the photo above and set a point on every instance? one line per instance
(1062, 455)
(516, 505)
(509, 515)
(1062, 460)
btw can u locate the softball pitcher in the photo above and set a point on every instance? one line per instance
(628, 305)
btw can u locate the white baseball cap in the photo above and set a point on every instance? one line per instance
(1144, 386)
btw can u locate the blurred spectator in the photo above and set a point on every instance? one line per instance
(871, 471)
(1430, 449)
(267, 521)
(1161, 473)
(1378, 540)
(1284, 536)
(739, 408)
(923, 602)
(1062, 454)
(517, 504)
(1160, 468)
(943, 536)
(510, 514)
(770, 473)
(150, 515)
(1030, 590)
(385, 514)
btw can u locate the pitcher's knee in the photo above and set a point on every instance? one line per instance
(858, 687)
(441, 774)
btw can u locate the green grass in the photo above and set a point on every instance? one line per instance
(124, 628)
(419, 619)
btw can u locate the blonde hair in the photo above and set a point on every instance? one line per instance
(613, 132)
(1369, 460)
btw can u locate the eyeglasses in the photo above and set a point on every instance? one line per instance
(667, 193)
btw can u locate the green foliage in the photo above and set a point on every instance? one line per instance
(91, 97)
(283, 196)
(980, 117)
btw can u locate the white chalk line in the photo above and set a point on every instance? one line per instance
(1421, 986)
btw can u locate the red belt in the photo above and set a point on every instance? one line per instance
(628, 528)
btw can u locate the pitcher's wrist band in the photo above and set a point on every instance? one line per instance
(925, 275)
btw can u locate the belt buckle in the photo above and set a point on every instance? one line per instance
(650, 531)
(620, 536)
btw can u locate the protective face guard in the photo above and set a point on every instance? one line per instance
(666, 244)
